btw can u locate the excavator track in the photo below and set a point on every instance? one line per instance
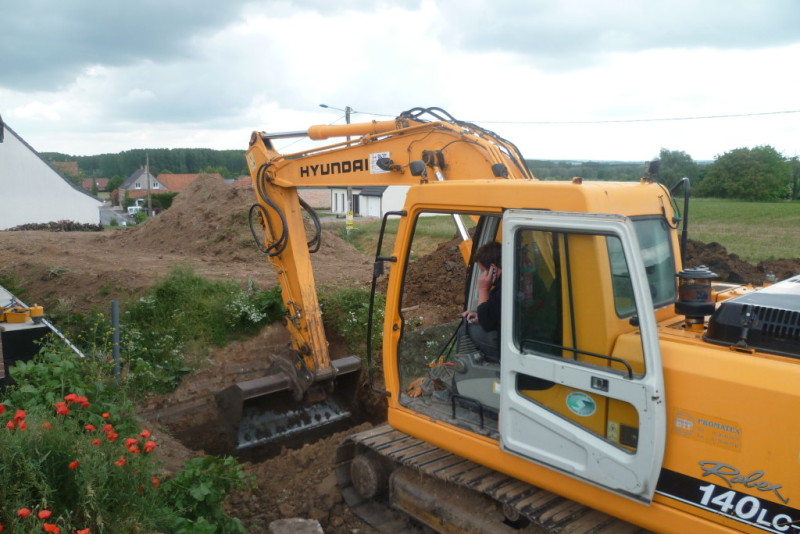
(379, 474)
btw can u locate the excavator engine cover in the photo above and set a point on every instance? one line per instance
(277, 409)
(767, 320)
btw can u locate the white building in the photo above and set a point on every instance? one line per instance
(369, 201)
(31, 191)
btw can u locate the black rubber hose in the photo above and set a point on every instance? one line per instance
(280, 244)
(316, 241)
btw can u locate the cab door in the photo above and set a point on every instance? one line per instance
(582, 384)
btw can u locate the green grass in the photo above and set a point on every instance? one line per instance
(754, 231)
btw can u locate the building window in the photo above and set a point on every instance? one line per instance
(138, 185)
(155, 185)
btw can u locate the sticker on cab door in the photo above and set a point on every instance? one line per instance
(581, 404)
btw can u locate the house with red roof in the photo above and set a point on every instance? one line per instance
(100, 185)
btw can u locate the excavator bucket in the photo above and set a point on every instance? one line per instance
(277, 410)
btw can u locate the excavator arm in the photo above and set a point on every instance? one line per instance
(406, 151)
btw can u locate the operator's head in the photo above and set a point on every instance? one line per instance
(489, 254)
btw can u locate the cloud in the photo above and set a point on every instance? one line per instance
(52, 43)
(200, 73)
(567, 34)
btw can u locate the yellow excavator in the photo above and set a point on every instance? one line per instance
(631, 393)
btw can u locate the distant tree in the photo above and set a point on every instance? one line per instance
(222, 171)
(794, 177)
(114, 182)
(675, 165)
(759, 173)
(163, 200)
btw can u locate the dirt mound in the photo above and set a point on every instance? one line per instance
(731, 268)
(208, 218)
(434, 288)
(206, 229)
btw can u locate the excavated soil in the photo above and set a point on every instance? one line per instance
(206, 229)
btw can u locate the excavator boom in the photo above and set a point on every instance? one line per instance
(305, 390)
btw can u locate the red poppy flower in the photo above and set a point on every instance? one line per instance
(61, 408)
(121, 461)
(96, 442)
(50, 527)
(106, 415)
(71, 397)
(23, 425)
(90, 428)
(155, 482)
(44, 514)
(46, 425)
(84, 531)
(144, 434)
(111, 436)
(85, 404)
(10, 425)
(71, 465)
(23, 512)
(149, 446)
(129, 442)
(1, 526)
(108, 428)
(81, 400)
(19, 416)
(2, 409)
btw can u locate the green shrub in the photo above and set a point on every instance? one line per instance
(346, 311)
(56, 371)
(197, 493)
(164, 333)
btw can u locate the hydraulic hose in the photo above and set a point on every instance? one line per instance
(316, 241)
(279, 244)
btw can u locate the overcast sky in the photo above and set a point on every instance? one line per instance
(88, 77)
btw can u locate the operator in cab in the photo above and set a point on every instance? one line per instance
(483, 324)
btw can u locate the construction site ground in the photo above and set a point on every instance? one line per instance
(206, 229)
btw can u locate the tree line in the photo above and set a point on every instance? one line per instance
(761, 173)
(228, 163)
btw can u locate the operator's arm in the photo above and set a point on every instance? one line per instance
(489, 306)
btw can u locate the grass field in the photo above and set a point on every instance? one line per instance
(754, 231)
